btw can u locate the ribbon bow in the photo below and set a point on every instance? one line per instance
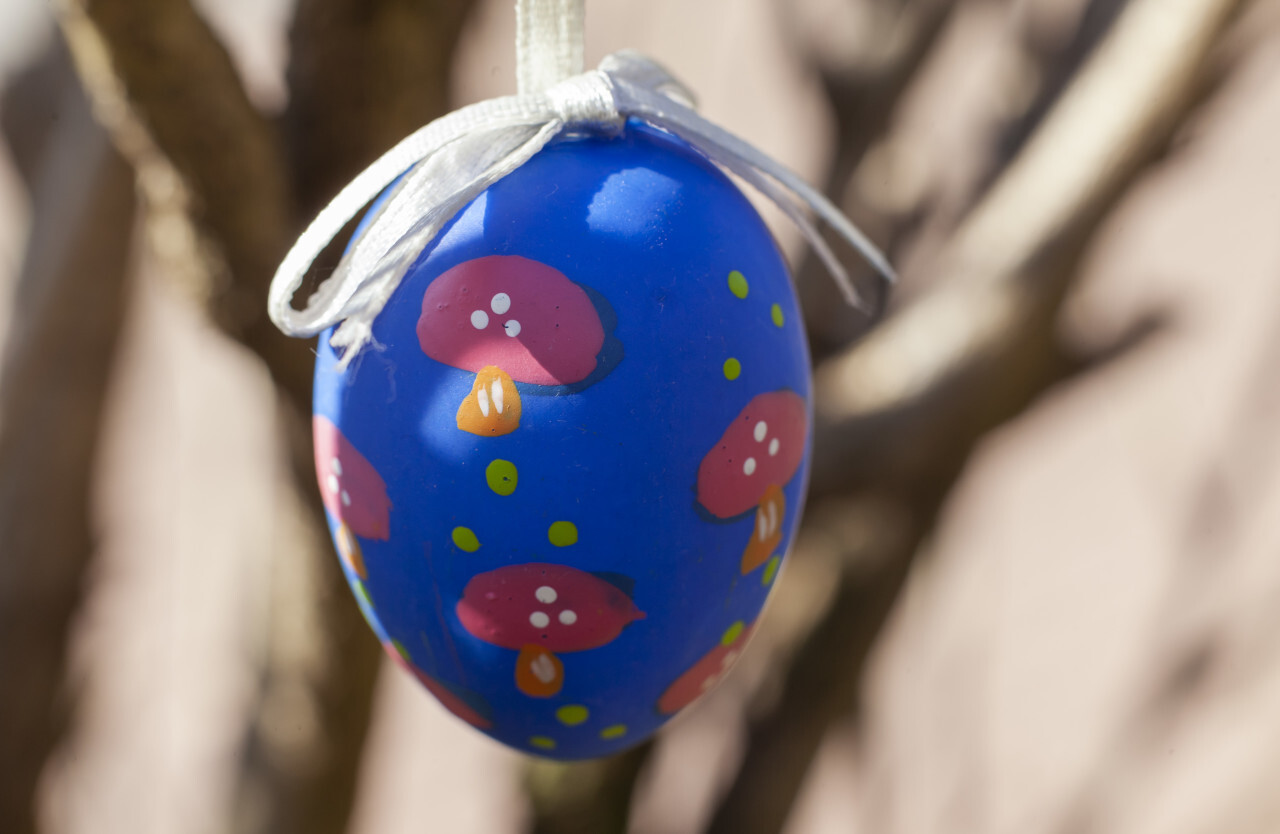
(448, 163)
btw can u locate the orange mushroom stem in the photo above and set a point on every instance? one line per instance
(493, 406)
(539, 673)
(767, 533)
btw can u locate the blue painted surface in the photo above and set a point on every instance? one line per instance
(655, 230)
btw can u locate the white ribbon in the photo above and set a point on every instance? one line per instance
(455, 158)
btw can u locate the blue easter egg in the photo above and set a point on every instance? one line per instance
(563, 481)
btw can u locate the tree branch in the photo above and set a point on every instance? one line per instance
(67, 321)
(864, 87)
(364, 74)
(167, 90)
(591, 797)
(900, 414)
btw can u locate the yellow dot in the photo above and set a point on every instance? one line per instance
(572, 715)
(770, 570)
(363, 593)
(502, 476)
(738, 284)
(542, 743)
(401, 650)
(731, 633)
(775, 312)
(614, 731)
(732, 368)
(465, 539)
(563, 533)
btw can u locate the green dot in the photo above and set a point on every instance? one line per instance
(542, 742)
(401, 650)
(613, 731)
(732, 368)
(362, 593)
(465, 539)
(738, 284)
(572, 715)
(501, 475)
(731, 633)
(770, 570)
(563, 533)
(775, 312)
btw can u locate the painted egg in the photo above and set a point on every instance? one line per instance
(563, 480)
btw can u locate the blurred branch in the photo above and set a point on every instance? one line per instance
(864, 86)
(1117, 115)
(67, 321)
(1056, 65)
(591, 797)
(364, 75)
(145, 62)
(381, 67)
(900, 414)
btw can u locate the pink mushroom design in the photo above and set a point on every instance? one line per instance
(702, 676)
(754, 458)
(541, 610)
(352, 490)
(508, 319)
(449, 699)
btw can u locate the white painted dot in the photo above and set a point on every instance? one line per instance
(568, 617)
(749, 466)
(773, 446)
(346, 498)
(332, 483)
(513, 328)
(762, 429)
(546, 594)
(709, 682)
(501, 303)
(539, 619)
(479, 319)
(336, 466)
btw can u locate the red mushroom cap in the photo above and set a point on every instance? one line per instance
(557, 607)
(702, 676)
(763, 446)
(352, 489)
(523, 316)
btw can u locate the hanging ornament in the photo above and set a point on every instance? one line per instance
(563, 403)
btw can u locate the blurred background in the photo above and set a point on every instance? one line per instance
(1038, 586)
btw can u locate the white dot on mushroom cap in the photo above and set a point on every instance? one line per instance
(336, 466)
(479, 319)
(513, 328)
(332, 483)
(501, 303)
(568, 617)
(762, 429)
(546, 594)
(773, 446)
(749, 466)
(539, 619)
(346, 498)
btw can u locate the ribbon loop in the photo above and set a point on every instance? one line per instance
(448, 163)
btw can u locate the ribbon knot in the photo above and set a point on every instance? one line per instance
(586, 101)
(444, 166)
